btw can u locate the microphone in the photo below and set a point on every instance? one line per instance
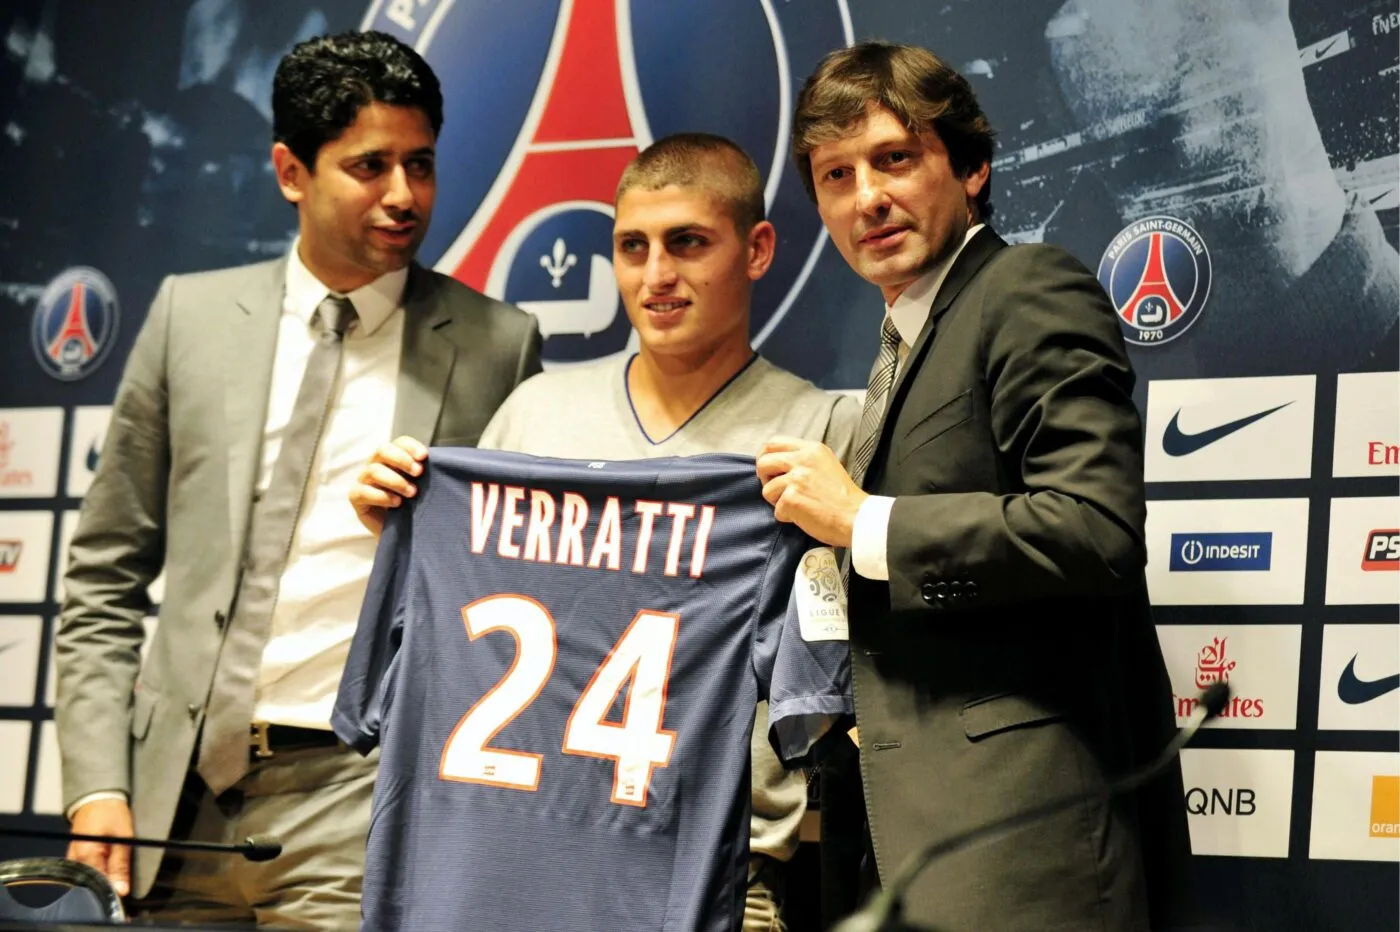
(884, 910)
(253, 848)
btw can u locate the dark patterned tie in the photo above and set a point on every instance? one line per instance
(224, 746)
(877, 397)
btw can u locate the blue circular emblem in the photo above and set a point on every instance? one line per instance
(1157, 272)
(546, 101)
(75, 323)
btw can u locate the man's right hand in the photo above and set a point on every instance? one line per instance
(384, 483)
(104, 817)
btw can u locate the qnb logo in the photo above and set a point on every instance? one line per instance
(1382, 553)
(1235, 552)
(592, 82)
(11, 478)
(1380, 453)
(9, 555)
(1214, 665)
(1157, 272)
(1232, 801)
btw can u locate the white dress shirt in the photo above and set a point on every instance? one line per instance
(323, 584)
(869, 534)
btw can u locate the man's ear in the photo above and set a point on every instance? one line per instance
(763, 240)
(292, 172)
(975, 180)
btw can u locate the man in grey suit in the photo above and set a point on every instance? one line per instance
(250, 399)
(1002, 650)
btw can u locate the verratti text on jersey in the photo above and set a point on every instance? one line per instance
(498, 512)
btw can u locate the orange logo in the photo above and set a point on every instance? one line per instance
(1385, 807)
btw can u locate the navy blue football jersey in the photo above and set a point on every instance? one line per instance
(561, 662)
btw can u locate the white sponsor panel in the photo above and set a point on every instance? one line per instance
(30, 439)
(1227, 552)
(149, 623)
(14, 765)
(1367, 437)
(1212, 429)
(1238, 802)
(1260, 663)
(89, 430)
(1363, 551)
(20, 639)
(48, 776)
(1356, 806)
(1360, 687)
(25, 540)
(68, 525)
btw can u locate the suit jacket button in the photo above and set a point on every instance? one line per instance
(929, 592)
(970, 589)
(219, 618)
(193, 710)
(940, 591)
(956, 589)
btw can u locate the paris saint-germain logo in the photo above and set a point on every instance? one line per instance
(75, 323)
(1157, 273)
(548, 100)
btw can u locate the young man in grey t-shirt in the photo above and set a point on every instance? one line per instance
(689, 241)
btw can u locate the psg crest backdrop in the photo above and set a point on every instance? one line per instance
(1230, 171)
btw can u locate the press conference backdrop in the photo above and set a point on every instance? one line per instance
(1230, 170)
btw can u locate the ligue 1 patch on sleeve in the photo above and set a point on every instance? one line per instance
(821, 599)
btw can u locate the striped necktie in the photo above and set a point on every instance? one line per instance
(877, 397)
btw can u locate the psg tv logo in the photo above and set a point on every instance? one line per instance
(75, 323)
(1157, 273)
(548, 100)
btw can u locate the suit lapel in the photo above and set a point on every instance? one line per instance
(249, 346)
(427, 358)
(970, 261)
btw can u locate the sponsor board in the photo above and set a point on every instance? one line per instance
(14, 765)
(1227, 552)
(30, 439)
(1360, 685)
(1356, 806)
(48, 775)
(25, 539)
(89, 430)
(1363, 551)
(20, 639)
(1216, 429)
(1366, 441)
(1238, 802)
(1260, 663)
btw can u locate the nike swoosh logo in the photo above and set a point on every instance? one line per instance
(1353, 690)
(1380, 197)
(5, 647)
(1176, 442)
(92, 457)
(1318, 53)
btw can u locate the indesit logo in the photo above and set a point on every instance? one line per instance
(11, 478)
(1213, 665)
(1382, 553)
(1193, 553)
(592, 82)
(9, 555)
(1385, 807)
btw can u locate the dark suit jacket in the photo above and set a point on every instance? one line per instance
(174, 491)
(1011, 659)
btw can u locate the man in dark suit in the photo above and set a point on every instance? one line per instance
(249, 401)
(1002, 648)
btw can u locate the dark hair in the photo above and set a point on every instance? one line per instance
(910, 82)
(322, 83)
(700, 160)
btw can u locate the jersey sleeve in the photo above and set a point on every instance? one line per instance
(366, 686)
(801, 654)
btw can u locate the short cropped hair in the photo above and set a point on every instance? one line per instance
(322, 83)
(912, 83)
(701, 160)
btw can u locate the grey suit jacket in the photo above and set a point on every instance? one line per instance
(174, 488)
(1011, 659)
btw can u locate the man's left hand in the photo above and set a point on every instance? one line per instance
(807, 486)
